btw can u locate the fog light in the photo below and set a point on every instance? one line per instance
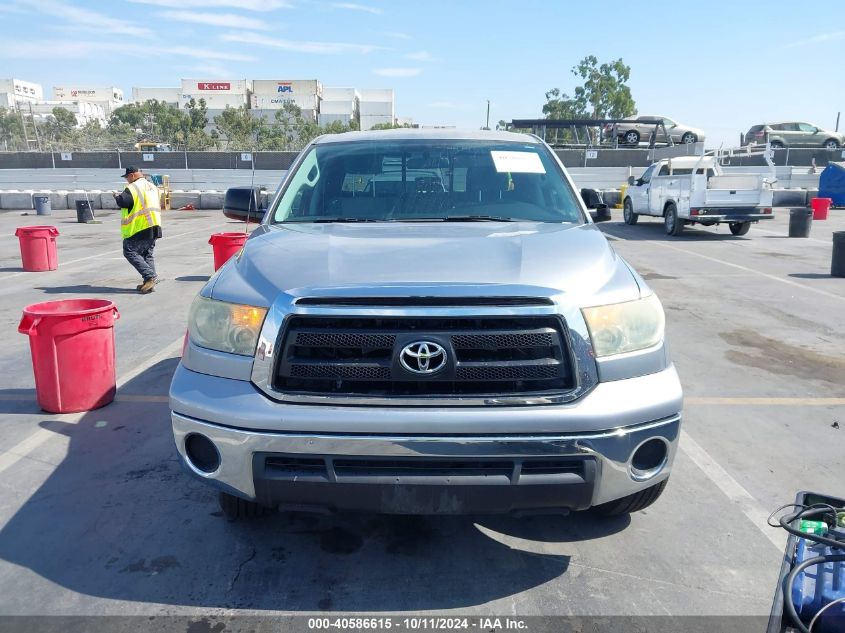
(202, 453)
(649, 459)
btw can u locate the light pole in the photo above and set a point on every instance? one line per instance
(487, 127)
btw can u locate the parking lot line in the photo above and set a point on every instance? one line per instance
(23, 448)
(732, 489)
(751, 270)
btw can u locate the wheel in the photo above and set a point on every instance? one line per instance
(673, 224)
(236, 508)
(831, 144)
(628, 213)
(776, 145)
(689, 138)
(740, 228)
(632, 503)
(632, 137)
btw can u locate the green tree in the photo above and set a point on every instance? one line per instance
(59, 131)
(390, 126)
(237, 127)
(11, 131)
(604, 93)
(64, 118)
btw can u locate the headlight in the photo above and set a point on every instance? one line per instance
(226, 327)
(625, 327)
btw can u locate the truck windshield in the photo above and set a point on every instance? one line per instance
(427, 180)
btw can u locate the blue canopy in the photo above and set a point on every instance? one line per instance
(832, 183)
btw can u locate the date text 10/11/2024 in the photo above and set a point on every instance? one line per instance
(417, 624)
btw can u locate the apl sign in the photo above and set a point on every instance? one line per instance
(214, 86)
(285, 86)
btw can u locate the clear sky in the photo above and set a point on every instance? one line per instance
(716, 64)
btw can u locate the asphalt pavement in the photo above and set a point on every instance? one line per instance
(98, 518)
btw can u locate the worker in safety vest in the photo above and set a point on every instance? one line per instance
(140, 225)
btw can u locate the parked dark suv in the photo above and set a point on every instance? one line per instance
(793, 134)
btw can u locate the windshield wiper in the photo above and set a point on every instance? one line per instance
(477, 218)
(328, 220)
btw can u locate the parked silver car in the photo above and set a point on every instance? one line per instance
(427, 322)
(793, 134)
(634, 133)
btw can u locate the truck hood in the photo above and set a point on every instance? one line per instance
(432, 259)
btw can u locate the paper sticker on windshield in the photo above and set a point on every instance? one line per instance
(518, 162)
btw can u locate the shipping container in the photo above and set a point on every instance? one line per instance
(338, 107)
(367, 122)
(276, 102)
(215, 101)
(287, 87)
(378, 108)
(216, 86)
(340, 94)
(164, 95)
(22, 90)
(328, 119)
(79, 93)
(376, 94)
(270, 115)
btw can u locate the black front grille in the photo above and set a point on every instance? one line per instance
(326, 468)
(487, 356)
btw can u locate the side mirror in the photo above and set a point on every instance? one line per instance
(631, 181)
(242, 203)
(817, 130)
(592, 198)
(601, 214)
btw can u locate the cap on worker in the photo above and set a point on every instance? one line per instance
(131, 170)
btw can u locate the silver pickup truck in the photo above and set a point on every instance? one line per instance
(427, 322)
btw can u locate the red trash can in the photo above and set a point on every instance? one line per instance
(225, 245)
(38, 247)
(72, 345)
(820, 207)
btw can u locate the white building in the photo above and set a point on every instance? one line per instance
(84, 111)
(109, 97)
(14, 91)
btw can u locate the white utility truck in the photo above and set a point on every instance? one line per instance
(695, 190)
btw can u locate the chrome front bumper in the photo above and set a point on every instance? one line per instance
(609, 453)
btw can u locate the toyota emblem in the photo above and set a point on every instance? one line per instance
(423, 357)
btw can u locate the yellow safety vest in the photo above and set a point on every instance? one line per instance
(145, 211)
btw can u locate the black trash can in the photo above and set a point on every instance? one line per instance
(800, 221)
(42, 204)
(83, 212)
(837, 262)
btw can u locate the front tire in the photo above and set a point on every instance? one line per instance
(671, 222)
(740, 228)
(776, 145)
(235, 508)
(689, 138)
(831, 144)
(632, 137)
(628, 213)
(632, 503)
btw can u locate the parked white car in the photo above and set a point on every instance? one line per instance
(633, 133)
(695, 190)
